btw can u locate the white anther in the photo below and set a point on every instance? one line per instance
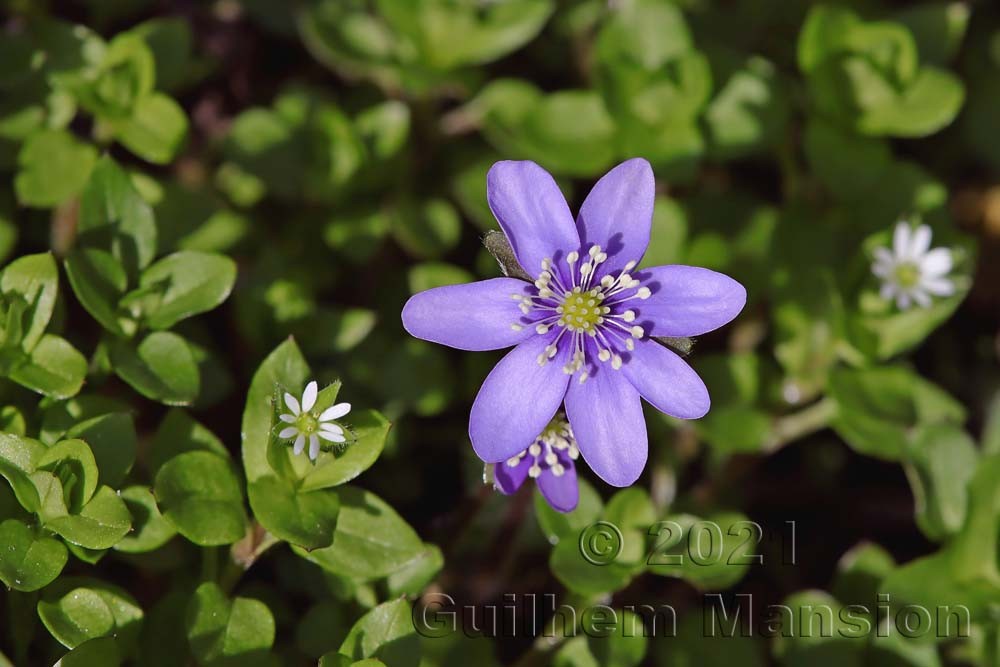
(631, 265)
(616, 362)
(572, 257)
(516, 327)
(535, 449)
(629, 344)
(551, 458)
(604, 355)
(643, 293)
(550, 351)
(534, 471)
(558, 470)
(541, 328)
(638, 332)
(513, 461)
(607, 281)
(629, 316)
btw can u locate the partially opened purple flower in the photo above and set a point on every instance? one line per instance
(548, 461)
(582, 329)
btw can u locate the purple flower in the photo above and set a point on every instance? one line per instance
(582, 330)
(549, 461)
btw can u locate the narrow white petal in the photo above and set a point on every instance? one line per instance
(292, 404)
(313, 447)
(936, 263)
(901, 240)
(335, 412)
(881, 269)
(938, 286)
(903, 301)
(920, 242)
(288, 432)
(309, 396)
(300, 444)
(883, 256)
(921, 298)
(331, 437)
(331, 428)
(288, 419)
(888, 291)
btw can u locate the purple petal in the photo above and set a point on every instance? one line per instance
(474, 316)
(510, 478)
(687, 300)
(562, 492)
(666, 381)
(517, 400)
(606, 416)
(618, 213)
(532, 212)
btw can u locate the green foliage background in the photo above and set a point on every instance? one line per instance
(206, 204)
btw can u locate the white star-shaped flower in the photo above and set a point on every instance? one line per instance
(306, 425)
(911, 272)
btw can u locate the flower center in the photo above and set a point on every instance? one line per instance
(557, 437)
(587, 305)
(582, 311)
(907, 275)
(306, 423)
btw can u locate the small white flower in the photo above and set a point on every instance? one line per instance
(305, 424)
(911, 273)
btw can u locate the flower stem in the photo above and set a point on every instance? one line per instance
(797, 425)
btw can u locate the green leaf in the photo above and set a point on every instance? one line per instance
(371, 539)
(179, 433)
(879, 409)
(99, 652)
(34, 281)
(938, 28)
(750, 112)
(156, 129)
(184, 284)
(55, 368)
(837, 644)
(704, 560)
(101, 524)
(53, 166)
(284, 367)
(939, 465)
(386, 633)
(18, 456)
(929, 104)
(150, 529)
(29, 560)
(99, 281)
(220, 629)
(415, 575)
(304, 518)
(370, 429)
(427, 229)
(113, 216)
(76, 610)
(162, 367)
(560, 526)
(73, 463)
(428, 275)
(584, 577)
(200, 494)
(113, 440)
(624, 645)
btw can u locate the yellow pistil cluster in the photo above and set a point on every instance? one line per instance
(582, 311)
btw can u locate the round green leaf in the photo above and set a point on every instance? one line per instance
(199, 493)
(101, 524)
(76, 610)
(184, 284)
(151, 529)
(28, 560)
(371, 429)
(304, 518)
(55, 368)
(385, 633)
(162, 367)
(73, 463)
(219, 628)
